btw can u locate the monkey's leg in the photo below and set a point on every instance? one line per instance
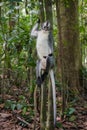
(38, 73)
(49, 65)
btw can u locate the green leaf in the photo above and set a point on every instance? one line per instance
(72, 118)
(71, 111)
(59, 125)
(19, 106)
(24, 110)
(82, 29)
(15, 0)
(13, 106)
(7, 104)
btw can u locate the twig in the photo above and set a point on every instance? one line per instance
(22, 120)
(35, 107)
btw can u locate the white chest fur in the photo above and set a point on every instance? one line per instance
(42, 46)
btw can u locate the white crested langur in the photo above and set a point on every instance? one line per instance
(45, 62)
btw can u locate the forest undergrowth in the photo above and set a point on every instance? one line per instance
(17, 113)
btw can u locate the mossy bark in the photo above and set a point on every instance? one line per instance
(43, 117)
(50, 118)
(69, 46)
(41, 11)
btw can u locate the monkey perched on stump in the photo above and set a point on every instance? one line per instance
(45, 63)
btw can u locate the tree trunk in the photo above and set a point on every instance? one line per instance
(50, 118)
(26, 3)
(18, 12)
(41, 11)
(0, 12)
(43, 94)
(48, 9)
(43, 106)
(69, 45)
(12, 21)
(50, 125)
(43, 118)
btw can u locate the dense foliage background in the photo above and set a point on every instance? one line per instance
(18, 53)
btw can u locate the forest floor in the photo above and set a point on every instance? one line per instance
(10, 121)
(13, 120)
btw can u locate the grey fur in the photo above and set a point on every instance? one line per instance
(34, 33)
(47, 53)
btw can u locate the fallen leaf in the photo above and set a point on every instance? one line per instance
(4, 115)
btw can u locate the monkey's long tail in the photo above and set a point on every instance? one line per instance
(54, 94)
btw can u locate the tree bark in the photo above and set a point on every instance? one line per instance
(50, 125)
(43, 106)
(48, 10)
(69, 45)
(0, 12)
(50, 118)
(43, 95)
(26, 10)
(41, 11)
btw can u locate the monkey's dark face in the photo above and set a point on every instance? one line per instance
(46, 26)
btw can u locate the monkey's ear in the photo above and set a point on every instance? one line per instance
(38, 21)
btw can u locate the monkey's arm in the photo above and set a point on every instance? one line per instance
(34, 31)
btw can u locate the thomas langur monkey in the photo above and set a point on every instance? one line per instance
(45, 63)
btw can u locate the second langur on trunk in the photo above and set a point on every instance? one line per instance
(45, 62)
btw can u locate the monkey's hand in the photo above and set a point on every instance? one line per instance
(50, 62)
(38, 21)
